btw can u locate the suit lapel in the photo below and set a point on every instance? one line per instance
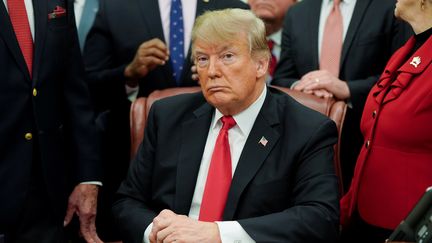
(192, 147)
(40, 17)
(359, 11)
(254, 153)
(8, 35)
(152, 19)
(313, 22)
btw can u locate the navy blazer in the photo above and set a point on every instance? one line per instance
(285, 191)
(53, 106)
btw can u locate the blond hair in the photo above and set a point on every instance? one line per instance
(222, 26)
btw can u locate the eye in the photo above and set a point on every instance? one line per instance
(228, 57)
(201, 61)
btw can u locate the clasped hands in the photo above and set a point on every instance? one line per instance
(323, 84)
(171, 227)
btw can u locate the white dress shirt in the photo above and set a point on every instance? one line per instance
(230, 231)
(346, 8)
(189, 13)
(78, 9)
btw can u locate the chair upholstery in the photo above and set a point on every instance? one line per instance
(332, 108)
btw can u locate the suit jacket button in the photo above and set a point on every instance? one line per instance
(28, 136)
(374, 114)
(367, 143)
(35, 92)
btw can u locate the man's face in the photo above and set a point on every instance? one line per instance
(270, 10)
(230, 78)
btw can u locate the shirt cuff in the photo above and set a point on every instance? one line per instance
(233, 232)
(147, 233)
(132, 92)
(92, 183)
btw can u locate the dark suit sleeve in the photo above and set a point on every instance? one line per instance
(133, 210)
(314, 216)
(80, 115)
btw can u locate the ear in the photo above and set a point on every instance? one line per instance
(262, 65)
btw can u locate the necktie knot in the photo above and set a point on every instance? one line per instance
(228, 122)
(270, 44)
(336, 3)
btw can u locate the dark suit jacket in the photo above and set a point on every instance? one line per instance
(121, 26)
(58, 116)
(373, 35)
(285, 191)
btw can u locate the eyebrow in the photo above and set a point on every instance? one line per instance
(219, 50)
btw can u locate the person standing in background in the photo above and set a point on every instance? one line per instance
(333, 48)
(49, 164)
(394, 166)
(272, 12)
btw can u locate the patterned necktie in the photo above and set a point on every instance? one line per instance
(21, 26)
(176, 39)
(332, 41)
(87, 18)
(219, 176)
(273, 61)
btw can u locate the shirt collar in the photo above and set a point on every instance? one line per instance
(326, 2)
(244, 119)
(276, 37)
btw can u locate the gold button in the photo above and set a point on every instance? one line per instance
(34, 92)
(374, 114)
(367, 143)
(28, 136)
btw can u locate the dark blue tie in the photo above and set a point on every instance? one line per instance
(176, 41)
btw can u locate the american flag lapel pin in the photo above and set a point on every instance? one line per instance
(263, 141)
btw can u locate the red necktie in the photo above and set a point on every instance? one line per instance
(19, 19)
(219, 176)
(273, 61)
(332, 41)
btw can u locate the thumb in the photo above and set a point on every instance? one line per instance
(69, 214)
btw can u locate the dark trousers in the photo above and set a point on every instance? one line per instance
(361, 232)
(38, 221)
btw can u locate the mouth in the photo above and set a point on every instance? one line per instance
(215, 88)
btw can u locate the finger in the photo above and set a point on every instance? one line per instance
(69, 214)
(154, 52)
(195, 77)
(93, 231)
(157, 43)
(319, 93)
(162, 234)
(85, 231)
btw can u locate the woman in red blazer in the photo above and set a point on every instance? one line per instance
(395, 164)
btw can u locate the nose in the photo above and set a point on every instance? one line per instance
(213, 68)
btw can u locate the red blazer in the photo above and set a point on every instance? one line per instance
(395, 164)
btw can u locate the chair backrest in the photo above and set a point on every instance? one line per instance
(332, 108)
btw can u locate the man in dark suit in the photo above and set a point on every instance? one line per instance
(371, 34)
(262, 173)
(126, 54)
(47, 130)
